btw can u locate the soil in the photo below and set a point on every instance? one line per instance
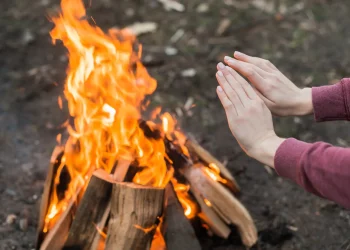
(307, 40)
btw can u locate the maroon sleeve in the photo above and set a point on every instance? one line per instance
(319, 168)
(332, 102)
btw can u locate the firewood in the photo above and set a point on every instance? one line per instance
(179, 233)
(94, 208)
(91, 212)
(209, 217)
(208, 158)
(57, 235)
(121, 170)
(221, 197)
(45, 198)
(134, 214)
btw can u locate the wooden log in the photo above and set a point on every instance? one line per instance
(45, 198)
(91, 212)
(94, 208)
(224, 201)
(57, 235)
(208, 158)
(134, 214)
(121, 170)
(209, 217)
(178, 231)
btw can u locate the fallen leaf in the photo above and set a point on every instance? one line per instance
(142, 28)
(172, 5)
(188, 72)
(223, 26)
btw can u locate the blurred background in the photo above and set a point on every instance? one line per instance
(182, 43)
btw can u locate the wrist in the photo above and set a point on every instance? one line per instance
(305, 106)
(266, 150)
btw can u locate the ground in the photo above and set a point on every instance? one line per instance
(307, 40)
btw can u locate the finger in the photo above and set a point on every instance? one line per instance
(236, 86)
(226, 103)
(230, 93)
(259, 62)
(249, 71)
(246, 65)
(245, 85)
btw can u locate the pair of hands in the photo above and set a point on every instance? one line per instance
(248, 108)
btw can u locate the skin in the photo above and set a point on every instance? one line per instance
(248, 108)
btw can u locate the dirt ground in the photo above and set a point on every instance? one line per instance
(307, 40)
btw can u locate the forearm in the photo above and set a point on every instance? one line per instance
(332, 102)
(319, 168)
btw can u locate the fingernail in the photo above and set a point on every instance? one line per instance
(237, 53)
(226, 58)
(232, 62)
(221, 66)
(219, 89)
(220, 73)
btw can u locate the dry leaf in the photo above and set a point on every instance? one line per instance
(142, 28)
(172, 5)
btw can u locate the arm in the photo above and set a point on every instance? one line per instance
(332, 102)
(284, 98)
(319, 168)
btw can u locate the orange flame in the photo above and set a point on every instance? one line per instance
(105, 88)
(190, 208)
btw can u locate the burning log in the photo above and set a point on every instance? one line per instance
(45, 198)
(94, 208)
(91, 212)
(208, 158)
(58, 234)
(135, 210)
(207, 215)
(177, 226)
(224, 201)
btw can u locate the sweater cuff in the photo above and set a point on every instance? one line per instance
(331, 102)
(287, 158)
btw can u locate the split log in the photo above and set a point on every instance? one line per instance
(208, 216)
(91, 212)
(134, 214)
(94, 208)
(223, 200)
(179, 233)
(45, 198)
(58, 234)
(208, 158)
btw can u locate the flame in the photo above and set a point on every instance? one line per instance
(105, 89)
(190, 207)
(214, 173)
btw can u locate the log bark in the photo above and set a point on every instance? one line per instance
(134, 215)
(223, 200)
(208, 158)
(91, 212)
(45, 198)
(208, 216)
(179, 233)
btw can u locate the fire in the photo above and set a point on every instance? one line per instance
(190, 208)
(105, 89)
(214, 172)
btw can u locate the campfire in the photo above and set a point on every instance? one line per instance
(121, 179)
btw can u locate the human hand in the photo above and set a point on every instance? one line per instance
(280, 95)
(249, 119)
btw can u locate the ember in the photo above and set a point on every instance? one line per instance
(109, 142)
